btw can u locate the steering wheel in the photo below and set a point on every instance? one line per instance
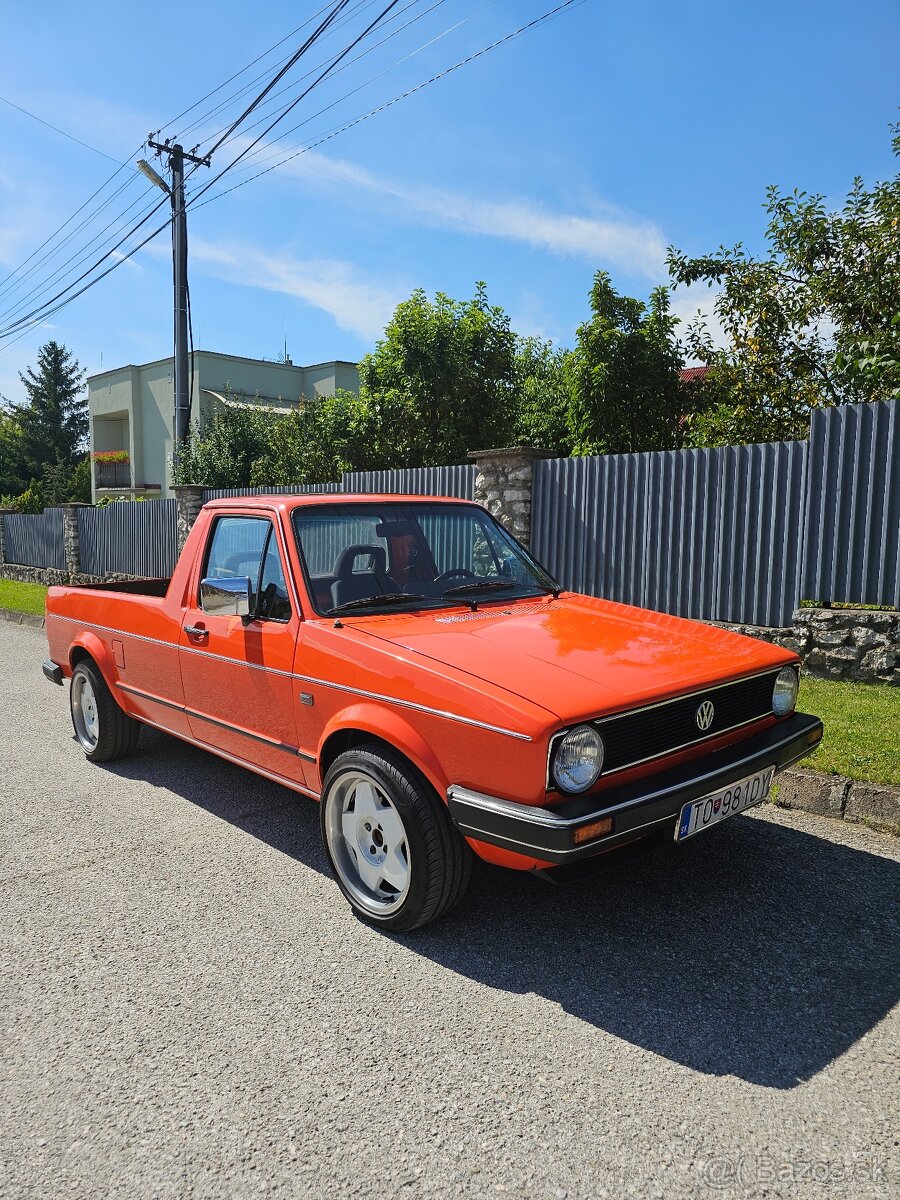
(455, 573)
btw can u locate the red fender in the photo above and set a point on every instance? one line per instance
(393, 728)
(100, 654)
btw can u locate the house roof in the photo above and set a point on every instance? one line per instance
(692, 374)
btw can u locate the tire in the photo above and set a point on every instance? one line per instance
(103, 731)
(416, 865)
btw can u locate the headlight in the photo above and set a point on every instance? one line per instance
(784, 697)
(578, 759)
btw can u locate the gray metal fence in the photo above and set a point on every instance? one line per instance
(299, 489)
(415, 481)
(711, 534)
(129, 538)
(738, 534)
(852, 544)
(35, 540)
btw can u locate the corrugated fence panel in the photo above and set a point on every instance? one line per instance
(129, 538)
(416, 481)
(588, 523)
(299, 489)
(683, 533)
(708, 534)
(852, 552)
(762, 501)
(35, 540)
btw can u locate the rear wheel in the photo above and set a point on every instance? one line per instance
(393, 849)
(103, 731)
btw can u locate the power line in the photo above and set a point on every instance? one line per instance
(46, 310)
(327, 137)
(81, 255)
(56, 129)
(294, 103)
(231, 78)
(352, 61)
(338, 8)
(360, 6)
(11, 288)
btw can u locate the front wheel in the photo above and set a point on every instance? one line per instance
(391, 844)
(103, 731)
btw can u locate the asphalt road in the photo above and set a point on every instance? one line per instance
(188, 1008)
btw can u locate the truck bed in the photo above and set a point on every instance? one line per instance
(130, 587)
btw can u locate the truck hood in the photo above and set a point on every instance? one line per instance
(577, 656)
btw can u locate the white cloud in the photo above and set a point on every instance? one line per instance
(614, 238)
(127, 260)
(356, 303)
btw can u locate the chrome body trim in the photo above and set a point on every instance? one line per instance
(192, 712)
(435, 712)
(714, 687)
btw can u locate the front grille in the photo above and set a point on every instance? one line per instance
(635, 737)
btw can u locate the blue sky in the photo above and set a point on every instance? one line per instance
(591, 142)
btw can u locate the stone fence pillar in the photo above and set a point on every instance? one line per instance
(190, 501)
(504, 480)
(70, 537)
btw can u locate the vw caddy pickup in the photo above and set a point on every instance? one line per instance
(408, 664)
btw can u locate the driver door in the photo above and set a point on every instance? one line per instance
(238, 685)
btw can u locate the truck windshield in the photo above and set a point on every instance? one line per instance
(401, 555)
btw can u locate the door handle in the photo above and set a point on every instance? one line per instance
(196, 631)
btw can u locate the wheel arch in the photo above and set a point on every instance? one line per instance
(366, 723)
(88, 645)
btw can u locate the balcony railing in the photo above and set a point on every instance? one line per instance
(112, 474)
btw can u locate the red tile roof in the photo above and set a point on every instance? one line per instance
(692, 374)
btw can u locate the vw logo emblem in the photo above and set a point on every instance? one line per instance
(705, 714)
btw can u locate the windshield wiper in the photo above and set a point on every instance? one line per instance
(466, 589)
(372, 601)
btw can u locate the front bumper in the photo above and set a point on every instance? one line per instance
(636, 809)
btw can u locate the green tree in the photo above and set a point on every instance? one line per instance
(12, 477)
(54, 421)
(543, 395)
(813, 321)
(223, 454)
(626, 389)
(441, 381)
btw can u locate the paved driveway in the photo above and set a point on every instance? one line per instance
(188, 1008)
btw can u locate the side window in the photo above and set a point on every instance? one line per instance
(274, 604)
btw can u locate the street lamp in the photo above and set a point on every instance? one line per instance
(146, 169)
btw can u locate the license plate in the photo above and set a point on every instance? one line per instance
(737, 797)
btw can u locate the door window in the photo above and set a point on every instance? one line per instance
(246, 547)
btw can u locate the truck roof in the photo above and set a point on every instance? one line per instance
(287, 500)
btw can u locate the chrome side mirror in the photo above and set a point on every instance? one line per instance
(227, 597)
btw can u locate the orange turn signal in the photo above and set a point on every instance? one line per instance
(815, 736)
(587, 833)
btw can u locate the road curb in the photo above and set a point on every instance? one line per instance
(21, 618)
(856, 800)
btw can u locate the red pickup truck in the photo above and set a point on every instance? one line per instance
(407, 663)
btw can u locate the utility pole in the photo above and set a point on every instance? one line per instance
(177, 155)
